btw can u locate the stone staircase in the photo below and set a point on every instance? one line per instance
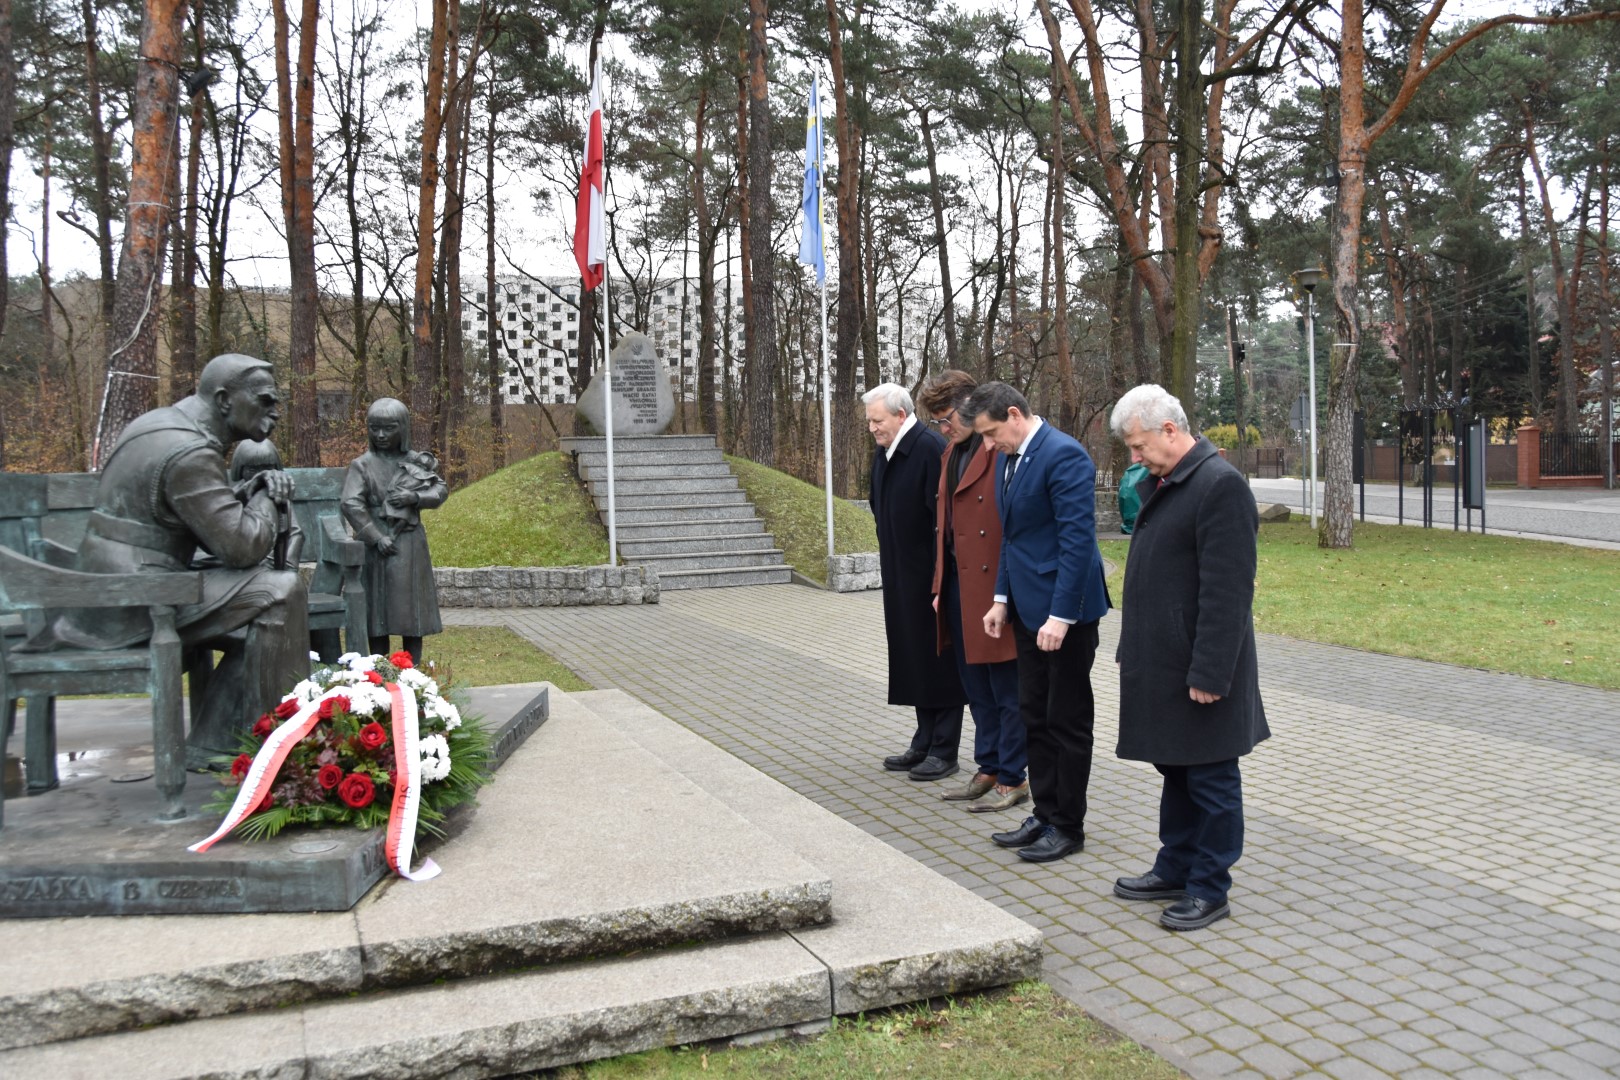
(681, 511)
(683, 896)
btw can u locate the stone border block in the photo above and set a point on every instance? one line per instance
(545, 586)
(854, 573)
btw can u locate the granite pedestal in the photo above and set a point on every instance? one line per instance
(96, 846)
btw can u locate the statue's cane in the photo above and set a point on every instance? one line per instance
(283, 535)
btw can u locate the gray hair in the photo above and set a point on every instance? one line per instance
(1147, 407)
(895, 398)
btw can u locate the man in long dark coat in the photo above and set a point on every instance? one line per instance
(905, 490)
(1189, 687)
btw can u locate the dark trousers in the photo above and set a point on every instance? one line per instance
(1054, 697)
(992, 693)
(1200, 827)
(939, 731)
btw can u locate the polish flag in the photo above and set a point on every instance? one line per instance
(590, 237)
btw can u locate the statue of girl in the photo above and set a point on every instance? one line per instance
(384, 493)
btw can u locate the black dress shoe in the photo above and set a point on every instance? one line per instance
(1053, 844)
(902, 762)
(933, 768)
(1149, 886)
(1193, 913)
(1026, 834)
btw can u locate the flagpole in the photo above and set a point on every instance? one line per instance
(826, 372)
(607, 355)
(826, 417)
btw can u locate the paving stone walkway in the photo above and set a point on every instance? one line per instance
(1432, 878)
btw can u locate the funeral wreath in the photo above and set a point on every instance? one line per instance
(356, 743)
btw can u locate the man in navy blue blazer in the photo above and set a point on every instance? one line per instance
(1051, 591)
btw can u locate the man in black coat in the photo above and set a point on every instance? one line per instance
(1189, 688)
(905, 489)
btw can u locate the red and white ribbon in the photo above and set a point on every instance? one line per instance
(407, 795)
(401, 835)
(261, 775)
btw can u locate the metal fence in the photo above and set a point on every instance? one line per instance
(1574, 455)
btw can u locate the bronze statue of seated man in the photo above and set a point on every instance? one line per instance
(165, 494)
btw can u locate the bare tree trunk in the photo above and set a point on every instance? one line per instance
(708, 412)
(424, 358)
(100, 156)
(1532, 331)
(1605, 308)
(295, 114)
(936, 198)
(1068, 393)
(132, 358)
(847, 336)
(183, 360)
(1397, 293)
(1189, 158)
(758, 376)
(459, 119)
(492, 358)
(8, 111)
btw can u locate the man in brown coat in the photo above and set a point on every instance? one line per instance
(967, 551)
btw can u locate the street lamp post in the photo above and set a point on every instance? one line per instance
(1308, 280)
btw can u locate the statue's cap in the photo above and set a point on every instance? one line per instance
(223, 371)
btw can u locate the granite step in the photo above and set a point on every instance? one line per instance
(725, 578)
(532, 877)
(638, 550)
(623, 471)
(666, 500)
(680, 487)
(634, 443)
(899, 933)
(734, 512)
(672, 528)
(676, 562)
(598, 460)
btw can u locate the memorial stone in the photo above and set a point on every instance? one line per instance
(643, 399)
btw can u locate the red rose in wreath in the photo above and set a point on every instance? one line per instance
(264, 726)
(264, 803)
(402, 660)
(287, 708)
(357, 790)
(329, 777)
(373, 735)
(332, 705)
(373, 678)
(240, 767)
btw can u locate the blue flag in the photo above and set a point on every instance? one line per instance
(812, 244)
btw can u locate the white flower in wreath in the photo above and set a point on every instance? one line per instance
(368, 700)
(305, 692)
(356, 662)
(442, 710)
(435, 751)
(413, 679)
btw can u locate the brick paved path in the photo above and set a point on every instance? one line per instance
(1432, 877)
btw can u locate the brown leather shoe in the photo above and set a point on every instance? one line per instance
(975, 787)
(1000, 797)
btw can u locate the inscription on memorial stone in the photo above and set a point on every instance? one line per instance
(643, 399)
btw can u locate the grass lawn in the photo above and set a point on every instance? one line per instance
(533, 513)
(796, 514)
(1527, 607)
(1025, 1031)
(491, 655)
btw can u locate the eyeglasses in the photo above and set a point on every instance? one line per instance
(948, 420)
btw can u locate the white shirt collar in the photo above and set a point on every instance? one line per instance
(888, 451)
(1034, 426)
